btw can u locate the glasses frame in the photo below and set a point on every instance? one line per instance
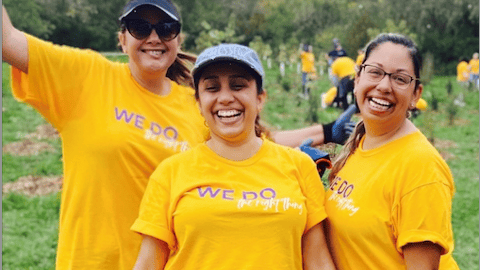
(159, 28)
(390, 76)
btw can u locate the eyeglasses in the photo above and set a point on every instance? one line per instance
(141, 29)
(398, 80)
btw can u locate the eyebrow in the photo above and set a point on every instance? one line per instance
(396, 71)
(234, 76)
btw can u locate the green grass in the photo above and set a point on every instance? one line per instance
(30, 224)
(30, 233)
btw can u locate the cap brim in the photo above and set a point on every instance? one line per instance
(125, 14)
(197, 71)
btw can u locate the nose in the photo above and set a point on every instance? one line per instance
(153, 37)
(225, 95)
(385, 84)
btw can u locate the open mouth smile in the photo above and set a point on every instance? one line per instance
(154, 52)
(228, 113)
(379, 104)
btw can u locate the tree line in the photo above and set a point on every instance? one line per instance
(446, 29)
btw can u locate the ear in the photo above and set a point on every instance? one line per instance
(261, 98)
(417, 94)
(122, 40)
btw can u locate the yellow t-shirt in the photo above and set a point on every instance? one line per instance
(308, 60)
(114, 134)
(215, 213)
(343, 66)
(330, 95)
(421, 104)
(462, 72)
(473, 66)
(387, 197)
(360, 58)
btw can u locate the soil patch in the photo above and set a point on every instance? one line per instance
(46, 131)
(27, 148)
(34, 185)
(444, 144)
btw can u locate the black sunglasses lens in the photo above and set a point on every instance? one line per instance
(139, 29)
(167, 31)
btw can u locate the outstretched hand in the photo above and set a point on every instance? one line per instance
(322, 159)
(339, 130)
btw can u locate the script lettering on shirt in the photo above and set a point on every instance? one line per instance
(168, 136)
(341, 194)
(265, 199)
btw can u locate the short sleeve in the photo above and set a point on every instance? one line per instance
(56, 78)
(424, 214)
(314, 192)
(154, 217)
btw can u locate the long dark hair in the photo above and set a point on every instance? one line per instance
(353, 142)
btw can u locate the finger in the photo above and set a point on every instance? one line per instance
(307, 142)
(347, 114)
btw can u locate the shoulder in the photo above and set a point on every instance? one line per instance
(424, 163)
(288, 154)
(180, 161)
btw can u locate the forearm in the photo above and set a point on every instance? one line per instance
(315, 250)
(294, 138)
(14, 44)
(153, 254)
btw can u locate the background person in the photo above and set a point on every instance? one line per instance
(397, 211)
(117, 122)
(337, 51)
(343, 70)
(252, 203)
(462, 71)
(308, 66)
(473, 68)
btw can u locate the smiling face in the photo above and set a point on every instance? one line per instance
(229, 101)
(380, 103)
(150, 55)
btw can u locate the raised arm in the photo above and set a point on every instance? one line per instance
(337, 131)
(14, 44)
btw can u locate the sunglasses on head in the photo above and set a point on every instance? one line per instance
(141, 29)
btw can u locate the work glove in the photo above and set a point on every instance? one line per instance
(322, 159)
(339, 130)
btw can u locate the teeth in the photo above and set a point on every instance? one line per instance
(155, 53)
(228, 113)
(381, 102)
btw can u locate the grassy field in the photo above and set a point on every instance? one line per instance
(30, 223)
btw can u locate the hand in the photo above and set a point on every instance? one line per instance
(339, 130)
(322, 159)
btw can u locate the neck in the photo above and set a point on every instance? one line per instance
(236, 151)
(378, 135)
(157, 82)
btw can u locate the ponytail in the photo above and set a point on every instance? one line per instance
(179, 71)
(350, 146)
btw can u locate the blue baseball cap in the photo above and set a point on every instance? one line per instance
(231, 53)
(164, 5)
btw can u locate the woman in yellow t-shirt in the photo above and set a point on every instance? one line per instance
(462, 71)
(237, 201)
(390, 195)
(117, 122)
